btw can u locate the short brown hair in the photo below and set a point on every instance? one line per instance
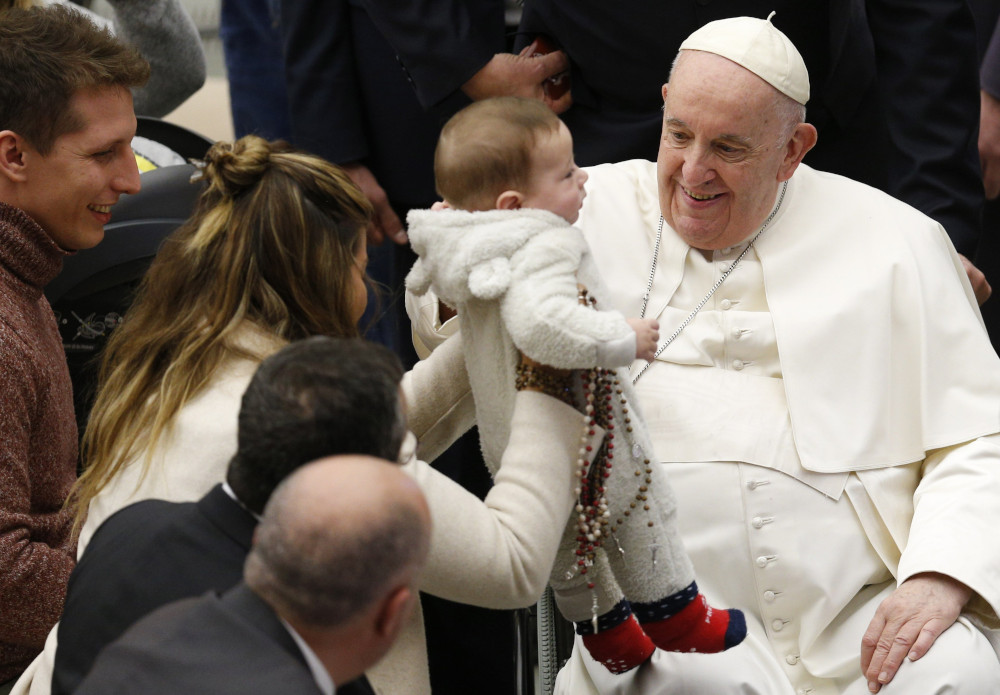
(485, 149)
(48, 54)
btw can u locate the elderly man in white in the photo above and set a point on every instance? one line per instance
(825, 402)
(827, 406)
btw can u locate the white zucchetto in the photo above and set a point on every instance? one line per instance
(758, 46)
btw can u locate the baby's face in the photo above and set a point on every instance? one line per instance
(556, 182)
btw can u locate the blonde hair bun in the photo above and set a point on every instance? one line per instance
(233, 167)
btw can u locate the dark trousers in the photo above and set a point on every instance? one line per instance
(255, 68)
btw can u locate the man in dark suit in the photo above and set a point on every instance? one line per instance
(154, 552)
(327, 588)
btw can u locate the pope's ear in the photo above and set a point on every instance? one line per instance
(802, 140)
(509, 200)
(663, 90)
(12, 164)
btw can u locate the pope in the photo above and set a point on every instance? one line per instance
(828, 412)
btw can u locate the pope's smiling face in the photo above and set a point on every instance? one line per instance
(726, 147)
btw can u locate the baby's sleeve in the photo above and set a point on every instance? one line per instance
(542, 312)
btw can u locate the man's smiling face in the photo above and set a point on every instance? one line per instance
(722, 152)
(70, 190)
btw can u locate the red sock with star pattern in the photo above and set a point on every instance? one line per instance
(620, 648)
(685, 622)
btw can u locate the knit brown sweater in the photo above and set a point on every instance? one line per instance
(38, 445)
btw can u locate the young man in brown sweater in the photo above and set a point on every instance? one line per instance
(66, 123)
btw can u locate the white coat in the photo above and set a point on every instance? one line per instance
(907, 376)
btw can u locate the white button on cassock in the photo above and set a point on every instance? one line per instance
(792, 659)
(725, 305)
(777, 624)
(769, 595)
(737, 365)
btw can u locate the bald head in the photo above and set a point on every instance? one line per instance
(336, 537)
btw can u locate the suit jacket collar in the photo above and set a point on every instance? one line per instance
(246, 604)
(228, 516)
(249, 606)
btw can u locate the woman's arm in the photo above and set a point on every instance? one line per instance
(498, 553)
(439, 399)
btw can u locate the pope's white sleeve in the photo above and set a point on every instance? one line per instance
(956, 514)
(498, 553)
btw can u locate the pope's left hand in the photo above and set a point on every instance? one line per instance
(908, 622)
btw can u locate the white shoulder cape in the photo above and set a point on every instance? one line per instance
(883, 351)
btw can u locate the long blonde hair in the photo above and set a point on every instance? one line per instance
(272, 242)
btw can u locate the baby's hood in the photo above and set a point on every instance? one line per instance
(465, 255)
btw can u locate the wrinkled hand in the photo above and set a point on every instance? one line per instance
(980, 287)
(521, 75)
(907, 623)
(647, 336)
(385, 223)
(989, 143)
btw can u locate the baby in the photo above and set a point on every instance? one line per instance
(502, 251)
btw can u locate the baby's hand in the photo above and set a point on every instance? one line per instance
(647, 334)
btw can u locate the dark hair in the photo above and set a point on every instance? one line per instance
(48, 54)
(315, 398)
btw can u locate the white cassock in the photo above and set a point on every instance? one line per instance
(828, 421)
